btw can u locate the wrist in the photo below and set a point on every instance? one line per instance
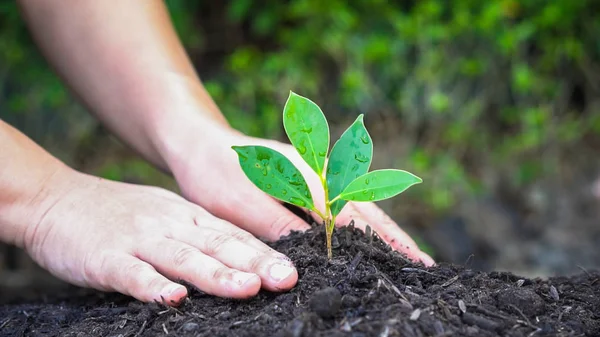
(23, 208)
(186, 122)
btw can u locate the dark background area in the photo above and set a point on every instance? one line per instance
(495, 104)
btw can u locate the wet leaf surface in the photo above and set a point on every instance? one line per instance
(273, 173)
(350, 158)
(307, 130)
(379, 185)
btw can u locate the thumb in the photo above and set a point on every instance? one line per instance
(260, 215)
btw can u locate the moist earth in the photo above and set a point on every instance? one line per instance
(366, 290)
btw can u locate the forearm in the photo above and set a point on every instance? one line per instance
(27, 173)
(125, 62)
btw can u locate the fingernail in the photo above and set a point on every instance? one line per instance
(172, 289)
(280, 272)
(241, 278)
(427, 260)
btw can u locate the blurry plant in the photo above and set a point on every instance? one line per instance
(343, 173)
(480, 90)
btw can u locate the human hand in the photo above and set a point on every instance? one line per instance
(224, 190)
(135, 239)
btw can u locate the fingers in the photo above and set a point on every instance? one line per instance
(258, 213)
(240, 250)
(178, 260)
(131, 276)
(365, 214)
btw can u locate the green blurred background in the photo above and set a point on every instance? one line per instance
(494, 103)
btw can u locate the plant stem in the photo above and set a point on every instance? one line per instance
(335, 199)
(328, 233)
(327, 219)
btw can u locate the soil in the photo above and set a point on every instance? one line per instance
(366, 290)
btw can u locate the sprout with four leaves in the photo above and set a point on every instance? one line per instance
(343, 173)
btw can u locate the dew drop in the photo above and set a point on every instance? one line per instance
(322, 154)
(354, 168)
(307, 129)
(365, 139)
(359, 157)
(291, 115)
(284, 192)
(295, 180)
(297, 201)
(268, 186)
(372, 196)
(367, 181)
(301, 149)
(279, 166)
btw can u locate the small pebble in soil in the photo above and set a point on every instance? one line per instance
(554, 293)
(225, 315)
(349, 301)
(326, 302)
(524, 299)
(190, 326)
(295, 328)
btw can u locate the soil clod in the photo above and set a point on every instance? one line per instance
(525, 300)
(326, 302)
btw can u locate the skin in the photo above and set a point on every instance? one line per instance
(126, 64)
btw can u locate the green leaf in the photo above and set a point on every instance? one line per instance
(350, 158)
(273, 173)
(379, 185)
(307, 130)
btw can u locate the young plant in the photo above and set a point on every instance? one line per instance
(343, 173)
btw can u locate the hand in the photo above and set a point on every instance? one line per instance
(136, 239)
(222, 188)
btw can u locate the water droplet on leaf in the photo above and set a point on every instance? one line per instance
(297, 201)
(268, 186)
(284, 192)
(367, 181)
(372, 196)
(307, 129)
(279, 166)
(322, 153)
(354, 168)
(301, 149)
(365, 139)
(359, 157)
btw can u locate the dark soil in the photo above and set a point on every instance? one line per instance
(367, 290)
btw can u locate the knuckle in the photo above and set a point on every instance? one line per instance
(256, 262)
(282, 225)
(242, 236)
(182, 256)
(214, 244)
(219, 273)
(135, 270)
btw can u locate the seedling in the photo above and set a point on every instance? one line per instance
(343, 172)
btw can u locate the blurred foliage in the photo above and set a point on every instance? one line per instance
(478, 91)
